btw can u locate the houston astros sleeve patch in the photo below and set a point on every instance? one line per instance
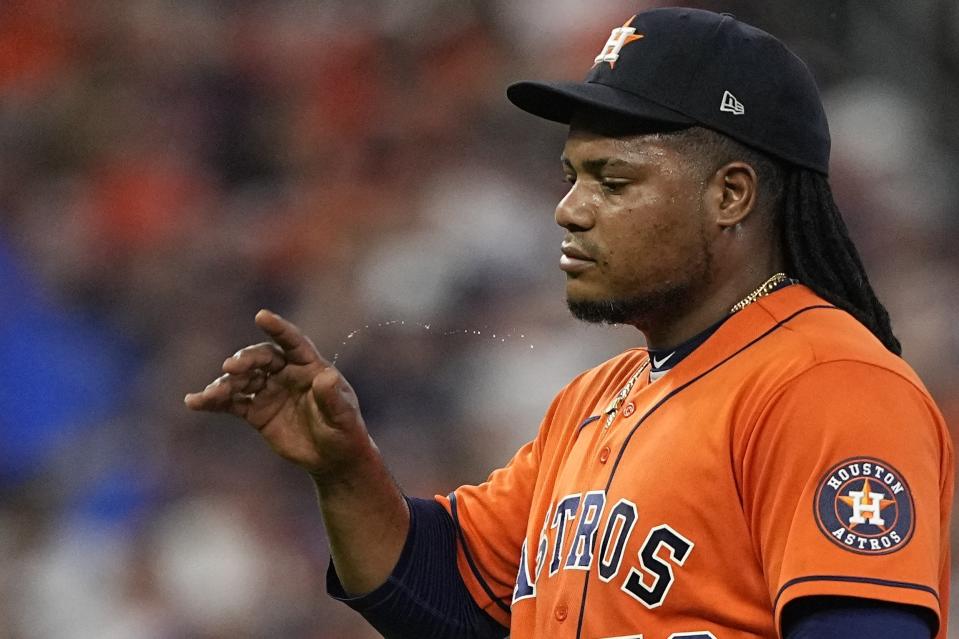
(864, 505)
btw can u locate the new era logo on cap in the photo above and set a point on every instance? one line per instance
(731, 105)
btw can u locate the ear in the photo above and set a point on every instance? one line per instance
(733, 193)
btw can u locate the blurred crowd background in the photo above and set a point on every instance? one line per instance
(168, 167)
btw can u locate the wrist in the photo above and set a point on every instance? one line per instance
(351, 475)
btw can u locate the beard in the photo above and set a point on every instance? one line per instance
(663, 304)
(633, 310)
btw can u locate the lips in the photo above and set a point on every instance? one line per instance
(574, 252)
(574, 260)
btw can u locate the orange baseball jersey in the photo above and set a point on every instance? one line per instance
(789, 455)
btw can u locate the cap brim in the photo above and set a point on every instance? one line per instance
(559, 102)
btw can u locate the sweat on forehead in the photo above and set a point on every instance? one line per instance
(631, 142)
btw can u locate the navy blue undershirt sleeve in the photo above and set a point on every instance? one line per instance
(424, 597)
(855, 618)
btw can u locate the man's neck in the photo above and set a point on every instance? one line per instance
(666, 333)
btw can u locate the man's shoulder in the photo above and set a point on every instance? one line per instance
(819, 364)
(811, 333)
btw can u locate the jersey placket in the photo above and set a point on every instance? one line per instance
(639, 401)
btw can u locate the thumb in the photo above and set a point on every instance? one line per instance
(335, 399)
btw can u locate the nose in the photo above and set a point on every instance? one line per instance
(575, 212)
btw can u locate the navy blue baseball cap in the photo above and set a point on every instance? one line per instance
(684, 67)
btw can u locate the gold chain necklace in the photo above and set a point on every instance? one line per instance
(614, 405)
(764, 289)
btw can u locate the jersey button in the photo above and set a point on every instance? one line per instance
(604, 455)
(561, 612)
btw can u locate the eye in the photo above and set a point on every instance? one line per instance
(613, 185)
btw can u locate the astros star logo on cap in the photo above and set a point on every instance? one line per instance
(620, 37)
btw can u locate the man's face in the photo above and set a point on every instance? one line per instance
(636, 245)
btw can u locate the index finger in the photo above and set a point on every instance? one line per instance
(297, 347)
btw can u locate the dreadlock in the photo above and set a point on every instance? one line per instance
(821, 254)
(815, 240)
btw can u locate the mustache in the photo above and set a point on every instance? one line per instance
(584, 245)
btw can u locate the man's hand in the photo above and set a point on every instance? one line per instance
(301, 405)
(309, 414)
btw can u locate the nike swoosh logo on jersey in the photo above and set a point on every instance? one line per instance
(659, 362)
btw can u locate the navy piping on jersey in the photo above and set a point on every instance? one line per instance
(848, 579)
(587, 422)
(469, 558)
(670, 395)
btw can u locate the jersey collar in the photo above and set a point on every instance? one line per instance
(662, 360)
(732, 334)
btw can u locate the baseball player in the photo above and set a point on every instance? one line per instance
(767, 467)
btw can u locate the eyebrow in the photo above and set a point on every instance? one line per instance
(595, 165)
